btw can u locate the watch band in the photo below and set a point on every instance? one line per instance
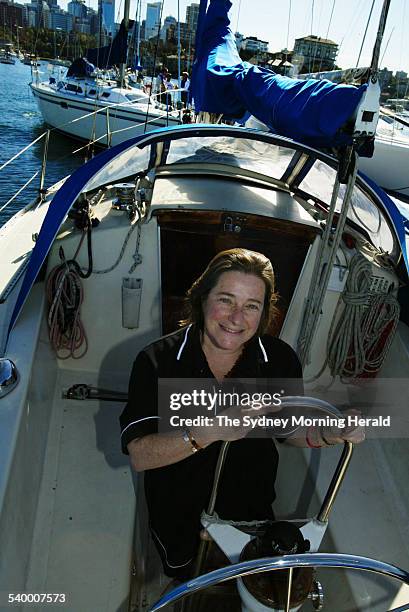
(189, 438)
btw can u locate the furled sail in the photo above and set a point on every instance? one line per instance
(113, 54)
(309, 111)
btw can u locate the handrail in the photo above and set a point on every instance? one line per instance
(105, 109)
(131, 127)
(22, 151)
(336, 482)
(30, 180)
(111, 106)
(295, 401)
(267, 564)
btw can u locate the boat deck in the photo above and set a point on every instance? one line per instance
(82, 543)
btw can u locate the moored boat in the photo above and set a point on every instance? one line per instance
(7, 57)
(99, 111)
(88, 105)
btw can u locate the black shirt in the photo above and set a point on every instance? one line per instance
(176, 494)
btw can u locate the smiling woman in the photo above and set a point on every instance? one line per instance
(231, 307)
(232, 301)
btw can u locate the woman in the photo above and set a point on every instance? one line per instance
(231, 306)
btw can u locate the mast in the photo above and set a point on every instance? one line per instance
(379, 37)
(138, 35)
(179, 45)
(126, 25)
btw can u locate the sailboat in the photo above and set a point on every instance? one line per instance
(88, 106)
(391, 156)
(388, 163)
(152, 211)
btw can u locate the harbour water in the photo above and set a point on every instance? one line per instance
(20, 124)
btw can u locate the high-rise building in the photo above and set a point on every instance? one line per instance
(11, 14)
(153, 21)
(93, 20)
(106, 12)
(169, 23)
(43, 15)
(60, 20)
(77, 8)
(30, 15)
(192, 16)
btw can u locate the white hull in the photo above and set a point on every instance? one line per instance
(389, 165)
(64, 112)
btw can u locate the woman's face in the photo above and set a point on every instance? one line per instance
(233, 309)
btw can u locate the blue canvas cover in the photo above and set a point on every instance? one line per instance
(312, 112)
(80, 67)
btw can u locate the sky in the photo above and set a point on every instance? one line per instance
(269, 20)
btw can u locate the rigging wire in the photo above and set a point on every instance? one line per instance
(364, 36)
(288, 25)
(238, 16)
(317, 42)
(386, 46)
(353, 23)
(312, 17)
(328, 28)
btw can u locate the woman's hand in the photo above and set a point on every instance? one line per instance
(338, 435)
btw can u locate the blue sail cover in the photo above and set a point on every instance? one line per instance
(312, 112)
(80, 67)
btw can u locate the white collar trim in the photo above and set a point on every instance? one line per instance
(263, 350)
(183, 343)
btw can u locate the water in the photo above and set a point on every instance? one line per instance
(20, 124)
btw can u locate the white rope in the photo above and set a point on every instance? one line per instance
(354, 348)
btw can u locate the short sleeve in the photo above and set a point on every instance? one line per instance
(140, 415)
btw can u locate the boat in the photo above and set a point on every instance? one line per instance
(387, 166)
(388, 163)
(30, 59)
(168, 186)
(88, 105)
(153, 210)
(99, 111)
(7, 57)
(59, 62)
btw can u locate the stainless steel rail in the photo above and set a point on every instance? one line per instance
(268, 564)
(108, 111)
(335, 483)
(334, 486)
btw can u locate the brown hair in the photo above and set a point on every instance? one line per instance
(232, 260)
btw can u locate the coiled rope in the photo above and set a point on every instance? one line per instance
(65, 296)
(365, 330)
